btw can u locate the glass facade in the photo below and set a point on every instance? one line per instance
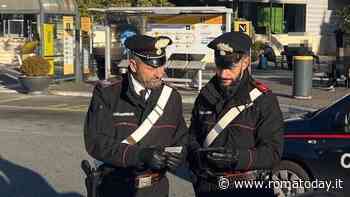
(277, 17)
(19, 19)
(18, 25)
(63, 45)
(57, 22)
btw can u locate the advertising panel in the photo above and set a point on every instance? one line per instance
(85, 34)
(49, 45)
(68, 45)
(85, 24)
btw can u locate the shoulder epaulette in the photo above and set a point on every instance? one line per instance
(109, 82)
(170, 85)
(261, 86)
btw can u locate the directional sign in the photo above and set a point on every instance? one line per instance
(242, 27)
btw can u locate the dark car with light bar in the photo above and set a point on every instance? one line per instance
(317, 148)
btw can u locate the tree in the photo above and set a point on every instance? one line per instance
(85, 4)
(344, 14)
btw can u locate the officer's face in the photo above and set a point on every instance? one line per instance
(229, 76)
(150, 77)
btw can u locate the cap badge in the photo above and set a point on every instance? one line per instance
(160, 44)
(224, 48)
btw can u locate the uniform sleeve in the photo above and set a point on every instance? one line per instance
(269, 138)
(101, 142)
(181, 137)
(194, 129)
(193, 144)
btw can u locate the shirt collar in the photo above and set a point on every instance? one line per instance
(239, 96)
(138, 87)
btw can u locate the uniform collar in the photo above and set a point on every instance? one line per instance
(211, 93)
(239, 97)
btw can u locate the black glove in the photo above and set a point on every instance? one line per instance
(153, 158)
(223, 159)
(174, 160)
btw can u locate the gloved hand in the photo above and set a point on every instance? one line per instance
(173, 160)
(153, 157)
(223, 159)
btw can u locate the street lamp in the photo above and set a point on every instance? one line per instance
(236, 8)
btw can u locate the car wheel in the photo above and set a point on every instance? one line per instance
(287, 173)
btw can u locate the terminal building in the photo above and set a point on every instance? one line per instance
(292, 21)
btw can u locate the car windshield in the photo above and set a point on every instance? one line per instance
(314, 113)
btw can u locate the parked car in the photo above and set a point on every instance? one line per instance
(317, 147)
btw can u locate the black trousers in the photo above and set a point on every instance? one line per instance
(115, 187)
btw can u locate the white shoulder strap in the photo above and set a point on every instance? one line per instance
(254, 94)
(229, 117)
(151, 119)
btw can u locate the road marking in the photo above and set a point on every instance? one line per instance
(15, 99)
(26, 132)
(58, 105)
(42, 108)
(69, 107)
(79, 107)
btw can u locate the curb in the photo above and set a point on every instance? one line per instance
(8, 91)
(13, 73)
(70, 93)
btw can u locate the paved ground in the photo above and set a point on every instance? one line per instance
(41, 151)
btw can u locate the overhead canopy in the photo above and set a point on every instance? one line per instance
(33, 6)
(164, 10)
(59, 6)
(19, 7)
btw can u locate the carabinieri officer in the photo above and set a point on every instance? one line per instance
(135, 124)
(236, 126)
